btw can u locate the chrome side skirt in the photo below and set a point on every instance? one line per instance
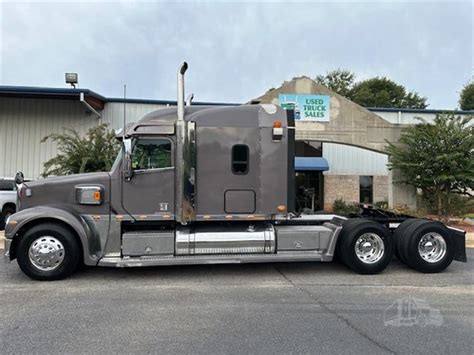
(214, 259)
(257, 244)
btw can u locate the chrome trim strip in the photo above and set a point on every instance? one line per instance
(214, 259)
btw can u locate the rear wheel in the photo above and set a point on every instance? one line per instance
(48, 252)
(428, 247)
(365, 246)
(398, 234)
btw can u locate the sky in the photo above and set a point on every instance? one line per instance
(236, 51)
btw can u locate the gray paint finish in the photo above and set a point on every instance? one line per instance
(218, 130)
(214, 172)
(150, 193)
(239, 201)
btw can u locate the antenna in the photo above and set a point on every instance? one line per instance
(124, 110)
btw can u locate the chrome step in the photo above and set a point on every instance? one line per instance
(213, 259)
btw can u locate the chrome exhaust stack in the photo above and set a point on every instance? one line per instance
(184, 206)
(181, 101)
(180, 136)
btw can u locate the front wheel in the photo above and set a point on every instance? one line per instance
(48, 252)
(365, 246)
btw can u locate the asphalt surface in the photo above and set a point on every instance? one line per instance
(267, 308)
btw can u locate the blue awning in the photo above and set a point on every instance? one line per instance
(315, 164)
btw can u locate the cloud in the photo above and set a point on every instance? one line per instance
(236, 51)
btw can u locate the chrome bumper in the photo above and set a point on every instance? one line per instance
(6, 246)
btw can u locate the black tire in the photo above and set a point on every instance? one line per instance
(6, 212)
(397, 236)
(403, 239)
(351, 231)
(411, 242)
(72, 252)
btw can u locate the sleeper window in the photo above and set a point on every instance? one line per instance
(151, 154)
(240, 159)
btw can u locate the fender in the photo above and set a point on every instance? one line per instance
(50, 214)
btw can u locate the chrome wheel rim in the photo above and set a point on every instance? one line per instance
(369, 248)
(46, 253)
(432, 247)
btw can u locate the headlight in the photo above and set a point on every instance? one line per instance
(88, 195)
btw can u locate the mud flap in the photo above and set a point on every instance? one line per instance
(459, 238)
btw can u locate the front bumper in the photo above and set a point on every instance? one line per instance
(6, 245)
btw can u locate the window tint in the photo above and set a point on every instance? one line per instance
(7, 185)
(151, 154)
(240, 159)
(366, 188)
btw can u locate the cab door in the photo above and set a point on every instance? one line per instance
(149, 193)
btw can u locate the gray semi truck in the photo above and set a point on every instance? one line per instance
(205, 185)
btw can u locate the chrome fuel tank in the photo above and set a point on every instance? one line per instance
(233, 239)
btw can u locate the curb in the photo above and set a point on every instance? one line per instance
(469, 240)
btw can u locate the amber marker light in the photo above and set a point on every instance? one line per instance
(281, 208)
(277, 124)
(97, 195)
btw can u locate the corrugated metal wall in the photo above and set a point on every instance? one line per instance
(24, 122)
(348, 160)
(113, 112)
(405, 117)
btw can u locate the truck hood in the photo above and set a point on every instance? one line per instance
(60, 191)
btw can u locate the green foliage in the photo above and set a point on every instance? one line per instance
(466, 101)
(94, 152)
(344, 208)
(437, 158)
(453, 204)
(374, 92)
(338, 80)
(383, 92)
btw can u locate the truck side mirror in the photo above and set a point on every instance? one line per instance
(127, 159)
(19, 178)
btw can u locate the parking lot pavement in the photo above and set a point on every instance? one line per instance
(264, 308)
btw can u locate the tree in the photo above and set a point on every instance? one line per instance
(94, 152)
(383, 92)
(466, 101)
(437, 158)
(338, 80)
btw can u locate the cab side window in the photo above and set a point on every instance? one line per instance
(151, 153)
(240, 159)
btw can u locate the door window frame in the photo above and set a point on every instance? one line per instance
(145, 171)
